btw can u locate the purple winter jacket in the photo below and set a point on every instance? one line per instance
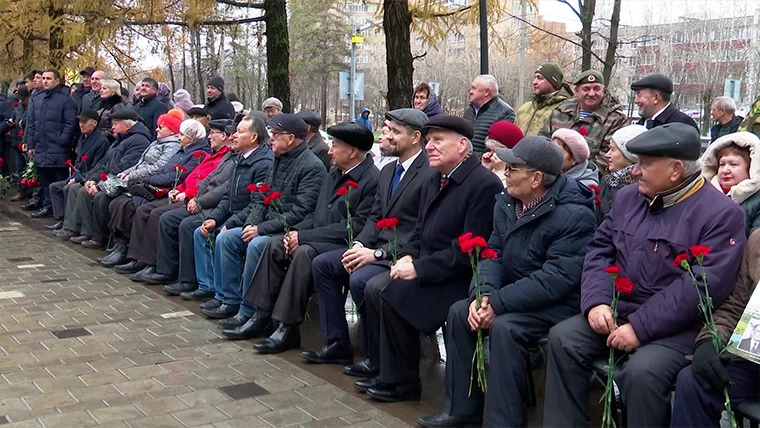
(663, 305)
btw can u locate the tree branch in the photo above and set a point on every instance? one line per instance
(249, 3)
(201, 23)
(575, 11)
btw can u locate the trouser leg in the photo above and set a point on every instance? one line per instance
(186, 252)
(56, 198)
(357, 284)
(254, 259)
(48, 176)
(290, 306)
(460, 347)
(100, 214)
(84, 212)
(167, 242)
(371, 304)
(205, 260)
(71, 220)
(228, 265)
(329, 279)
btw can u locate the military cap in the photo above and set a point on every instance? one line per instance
(219, 124)
(658, 82)
(408, 116)
(311, 118)
(124, 113)
(589, 76)
(353, 134)
(88, 114)
(449, 123)
(289, 123)
(672, 140)
(552, 73)
(537, 152)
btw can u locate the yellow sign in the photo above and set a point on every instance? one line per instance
(357, 39)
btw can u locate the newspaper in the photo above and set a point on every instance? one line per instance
(745, 340)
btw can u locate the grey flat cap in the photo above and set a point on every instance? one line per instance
(537, 152)
(672, 140)
(408, 116)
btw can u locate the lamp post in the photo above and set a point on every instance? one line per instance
(483, 37)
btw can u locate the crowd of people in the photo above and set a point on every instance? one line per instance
(251, 213)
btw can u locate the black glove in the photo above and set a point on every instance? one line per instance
(709, 367)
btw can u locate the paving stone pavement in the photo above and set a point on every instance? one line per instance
(83, 346)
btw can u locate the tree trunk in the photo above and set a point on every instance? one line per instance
(55, 43)
(198, 73)
(398, 52)
(184, 60)
(278, 52)
(323, 97)
(609, 59)
(587, 17)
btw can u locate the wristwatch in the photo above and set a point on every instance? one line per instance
(380, 254)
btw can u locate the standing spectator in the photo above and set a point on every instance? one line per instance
(84, 87)
(16, 124)
(148, 107)
(549, 91)
(723, 112)
(91, 100)
(653, 98)
(314, 138)
(108, 102)
(272, 107)
(200, 114)
(217, 104)
(620, 164)
(593, 112)
(183, 101)
(164, 94)
(50, 124)
(426, 101)
(485, 109)
(363, 118)
(33, 81)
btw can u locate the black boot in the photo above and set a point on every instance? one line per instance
(117, 257)
(58, 225)
(334, 353)
(129, 268)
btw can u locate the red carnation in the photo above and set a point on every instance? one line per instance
(595, 188)
(160, 193)
(680, 260)
(34, 183)
(263, 187)
(699, 251)
(583, 131)
(84, 158)
(352, 184)
(466, 246)
(343, 191)
(613, 270)
(489, 253)
(465, 237)
(179, 168)
(597, 201)
(387, 223)
(252, 188)
(67, 163)
(199, 155)
(24, 183)
(20, 147)
(103, 177)
(623, 285)
(479, 242)
(274, 196)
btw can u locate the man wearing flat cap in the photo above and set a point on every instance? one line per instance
(431, 273)
(549, 90)
(217, 104)
(670, 209)
(653, 98)
(371, 253)
(282, 284)
(593, 112)
(314, 139)
(542, 223)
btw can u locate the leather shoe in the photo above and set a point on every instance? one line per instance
(334, 353)
(64, 234)
(97, 245)
(284, 338)
(79, 239)
(362, 385)
(58, 225)
(363, 368)
(43, 213)
(177, 288)
(18, 197)
(201, 296)
(257, 326)
(118, 257)
(210, 304)
(155, 278)
(33, 205)
(445, 421)
(235, 321)
(223, 311)
(129, 268)
(396, 392)
(140, 276)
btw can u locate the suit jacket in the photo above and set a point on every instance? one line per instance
(404, 205)
(465, 204)
(746, 344)
(669, 115)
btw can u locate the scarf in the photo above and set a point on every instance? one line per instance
(673, 196)
(620, 178)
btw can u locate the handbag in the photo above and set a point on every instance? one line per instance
(142, 190)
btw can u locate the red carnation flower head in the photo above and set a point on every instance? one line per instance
(252, 188)
(613, 270)
(699, 251)
(595, 188)
(20, 147)
(387, 223)
(34, 183)
(179, 168)
(272, 197)
(84, 158)
(160, 193)
(103, 177)
(199, 155)
(67, 163)
(466, 246)
(343, 191)
(681, 261)
(1, 161)
(352, 184)
(583, 131)
(21, 133)
(24, 183)
(623, 285)
(479, 242)
(465, 237)
(597, 201)
(263, 187)
(489, 254)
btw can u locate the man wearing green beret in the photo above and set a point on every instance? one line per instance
(548, 91)
(593, 112)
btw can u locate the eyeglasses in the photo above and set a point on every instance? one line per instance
(276, 133)
(512, 169)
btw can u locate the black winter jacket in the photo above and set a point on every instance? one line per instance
(220, 108)
(732, 126)
(94, 147)
(124, 153)
(490, 112)
(51, 126)
(318, 146)
(149, 109)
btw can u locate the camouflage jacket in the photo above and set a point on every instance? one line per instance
(599, 125)
(751, 123)
(533, 115)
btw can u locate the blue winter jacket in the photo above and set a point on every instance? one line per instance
(51, 126)
(362, 121)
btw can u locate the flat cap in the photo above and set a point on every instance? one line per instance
(408, 116)
(449, 123)
(289, 123)
(537, 152)
(219, 124)
(672, 140)
(589, 76)
(124, 113)
(198, 111)
(272, 102)
(88, 71)
(311, 118)
(88, 114)
(353, 134)
(658, 82)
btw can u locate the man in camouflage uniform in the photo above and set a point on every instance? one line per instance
(752, 122)
(593, 112)
(548, 91)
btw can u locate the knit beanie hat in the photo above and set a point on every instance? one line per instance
(216, 82)
(574, 142)
(552, 73)
(193, 129)
(622, 136)
(272, 102)
(506, 133)
(171, 120)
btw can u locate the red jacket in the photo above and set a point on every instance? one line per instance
(209, 163)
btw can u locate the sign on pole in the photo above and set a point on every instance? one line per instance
(733, 88)
(345, 77)
(435, 87)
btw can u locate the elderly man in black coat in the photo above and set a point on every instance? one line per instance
(432, 274)
(542, 224)
(314, 138)
(653, 99)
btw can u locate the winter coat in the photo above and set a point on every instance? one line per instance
(92, 100)
(298, 176)
(728, 128)
(325, 228)
(608, 188)
(541, 253)
(746, 192)
(79, 95)
(107, 108)
(586, 173)
(149, 109)
(490, 112)
(432, 107)
(643, 238)
(533, 115)
(362, 121)
(671, 114)
(214, 173)
(220, 108)
(318, 146)
(19, 122)
(751, 123)
(124, 152)
(153, 159)
(235, 204)
(94, 146)
(184, 157)
(598, 126)
(51, 125)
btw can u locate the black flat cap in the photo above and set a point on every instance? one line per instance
(408, 116)
(289, 123)
(672, 140)
(449, 123)
(311, 118)
(658, 82)
(353, 134)
(88, 71)
(88, 114)
(124, 113)
(198, 111)
(219, 124)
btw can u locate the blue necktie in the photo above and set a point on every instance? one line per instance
(396, 179)
(649, 124)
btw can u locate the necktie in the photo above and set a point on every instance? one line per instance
(396, 179)
(649, 124)
(444, 181)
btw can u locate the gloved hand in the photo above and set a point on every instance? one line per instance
(709, 367)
